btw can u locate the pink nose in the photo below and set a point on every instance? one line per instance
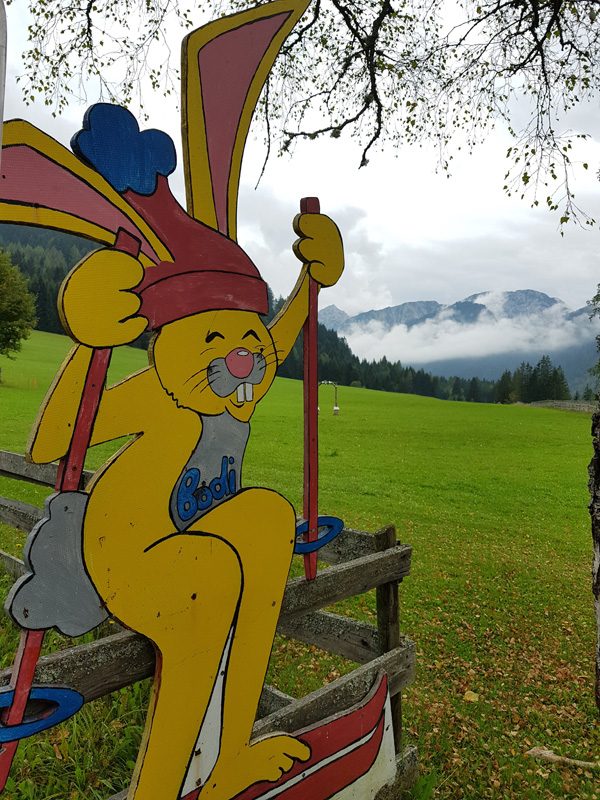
(240, 363)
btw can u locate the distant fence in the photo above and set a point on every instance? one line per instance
(359, 561)
(566, 405)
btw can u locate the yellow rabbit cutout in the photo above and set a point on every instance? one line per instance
(174, 546)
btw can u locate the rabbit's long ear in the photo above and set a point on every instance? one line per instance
(224, 67)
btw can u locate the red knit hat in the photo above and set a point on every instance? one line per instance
(209, 271)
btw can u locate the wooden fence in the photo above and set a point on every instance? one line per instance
(358, 562)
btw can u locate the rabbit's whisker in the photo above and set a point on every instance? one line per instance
(203, 389)
(199, 383)
(193, 375)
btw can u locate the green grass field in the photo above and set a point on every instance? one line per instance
(492, 499)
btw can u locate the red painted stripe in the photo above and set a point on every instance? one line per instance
(331, 779)
(90, 400)
(326, 739)
(26, 660)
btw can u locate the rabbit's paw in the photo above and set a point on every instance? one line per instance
(320, 246)
(265, 760)
(96, 303)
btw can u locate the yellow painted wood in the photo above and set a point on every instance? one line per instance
(198, 179)
(185, 590)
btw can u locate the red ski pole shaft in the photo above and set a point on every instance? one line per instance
(71, 466)
(310, 205)
(68, 478)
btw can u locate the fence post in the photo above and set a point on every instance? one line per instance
(594, 486)
(388, 624)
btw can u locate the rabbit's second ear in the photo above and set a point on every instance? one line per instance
(224, 67)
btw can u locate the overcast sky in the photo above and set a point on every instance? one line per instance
(410, 234)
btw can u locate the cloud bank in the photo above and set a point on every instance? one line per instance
(443, 338)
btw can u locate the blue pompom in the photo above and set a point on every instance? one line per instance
(111, 141)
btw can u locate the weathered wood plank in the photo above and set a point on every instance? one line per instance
(22, 516)
(14, 465)
(340, 635)
(271, 700)
(344, 692)
(111, 663)
(348, 545)
(343, 636)
(108, 664)
(117, 660)
(346, 580)
(13, 566)
(96, 668)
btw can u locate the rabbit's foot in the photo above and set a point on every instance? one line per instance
(265, 760)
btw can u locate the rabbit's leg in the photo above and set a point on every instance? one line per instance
(260, 525)
(188, 591)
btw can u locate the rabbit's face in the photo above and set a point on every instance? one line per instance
(216, 361)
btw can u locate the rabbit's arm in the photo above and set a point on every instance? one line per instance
(286, 326)
(320, 248)
(98, 309)
(53, 429)
(119, 413)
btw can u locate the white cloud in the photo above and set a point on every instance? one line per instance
(442, 338)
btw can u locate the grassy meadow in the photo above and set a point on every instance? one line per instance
(493, 500)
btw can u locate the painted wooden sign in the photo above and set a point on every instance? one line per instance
(166, 538)
(3, 37)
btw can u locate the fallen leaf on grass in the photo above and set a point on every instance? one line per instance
(470, 696)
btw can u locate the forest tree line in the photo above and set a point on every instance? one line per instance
(45, 257)
(337, 362)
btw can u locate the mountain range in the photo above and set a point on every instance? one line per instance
(481, 335)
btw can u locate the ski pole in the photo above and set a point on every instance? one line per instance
(310, 205)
